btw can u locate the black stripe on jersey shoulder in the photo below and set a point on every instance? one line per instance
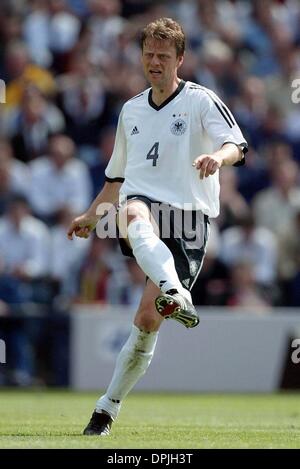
(114, 179)
(228, 115)
(223, 110)
(137, 96)
(222, 113)
(167, 101)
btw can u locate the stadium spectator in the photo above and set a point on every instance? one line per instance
(245, 295)
(216, 68)
(289, 260)
(254, 178)
(105, 25)
(10, 26)
(14, 175)
(257, 37)
(251, 107)
(24, 252)
(36, 32)
(95, 272)
(20, 71)
(274, 207)
(54, 178)
(135, 284)
(232, 204)
(24, 281)
(63, 29)
(255, 244)
(66, 258)
(104, 276)
(104, 152)
(84, 100)
(32, 123)
(277, 153)
(258, 167)
(50, 30)
(212, 284)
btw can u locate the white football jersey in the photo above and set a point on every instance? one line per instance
(156, 145)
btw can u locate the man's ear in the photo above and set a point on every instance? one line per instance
(180, 60)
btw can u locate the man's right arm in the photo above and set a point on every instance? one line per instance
(84, 224)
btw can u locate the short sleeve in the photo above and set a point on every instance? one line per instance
(220, 124)
(115, 169)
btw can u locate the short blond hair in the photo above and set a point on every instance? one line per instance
(165, 29)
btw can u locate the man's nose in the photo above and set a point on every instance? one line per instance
(155, 60)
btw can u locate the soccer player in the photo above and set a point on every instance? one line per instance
(158, 165)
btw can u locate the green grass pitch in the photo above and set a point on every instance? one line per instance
(55, 419)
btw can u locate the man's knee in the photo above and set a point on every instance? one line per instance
(136, 210)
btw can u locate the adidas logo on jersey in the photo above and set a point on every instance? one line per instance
(135, 131)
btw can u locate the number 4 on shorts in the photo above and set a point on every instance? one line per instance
(153, 153)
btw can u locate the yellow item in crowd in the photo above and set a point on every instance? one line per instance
(32, 74)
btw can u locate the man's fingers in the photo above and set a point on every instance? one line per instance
(82, 232)
(211, 168)
(206, 165)
(79, 231)
(82, 226)
(71, 231)
(197, 163)
(202, 165)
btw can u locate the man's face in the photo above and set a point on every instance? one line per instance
(60, 149)
(17, 211)
(160, 62)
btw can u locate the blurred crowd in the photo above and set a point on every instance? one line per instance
(69, 65)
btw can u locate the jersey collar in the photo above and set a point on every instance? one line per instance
(169, 99)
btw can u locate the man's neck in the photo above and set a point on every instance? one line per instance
(159, 94)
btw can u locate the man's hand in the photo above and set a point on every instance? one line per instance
(207, 164)
(82, 226)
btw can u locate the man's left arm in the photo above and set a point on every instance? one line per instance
(228, 154)
(229, 144)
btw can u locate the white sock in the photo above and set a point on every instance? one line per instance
(154, 257)
(131, 364)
